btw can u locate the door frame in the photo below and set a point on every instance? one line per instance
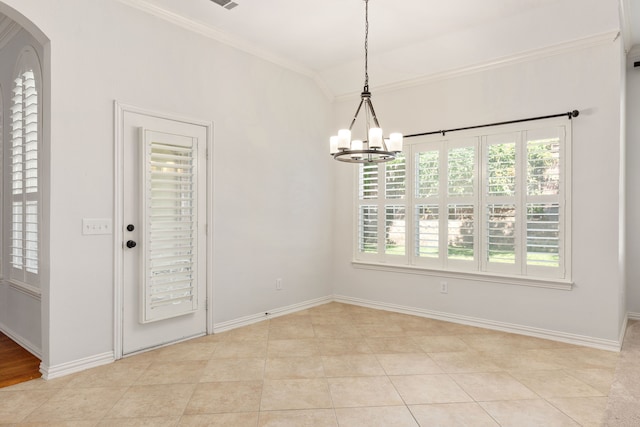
(120, 110)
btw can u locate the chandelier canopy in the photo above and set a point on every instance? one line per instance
(375, 148)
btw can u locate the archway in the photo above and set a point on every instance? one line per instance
(24, 307)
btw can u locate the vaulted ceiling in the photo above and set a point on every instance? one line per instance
(408, 39)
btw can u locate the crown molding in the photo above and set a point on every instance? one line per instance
(254, 50)
(225, 38)
(518, 58)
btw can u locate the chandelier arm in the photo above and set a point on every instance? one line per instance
(356, 115)
(373, 113)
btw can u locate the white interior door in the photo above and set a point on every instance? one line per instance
(164, 231)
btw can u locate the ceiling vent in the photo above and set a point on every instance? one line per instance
(227, 4)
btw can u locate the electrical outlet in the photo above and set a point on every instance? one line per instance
(444, 288)
(278, 284)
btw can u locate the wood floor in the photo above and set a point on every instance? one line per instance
(16, 363)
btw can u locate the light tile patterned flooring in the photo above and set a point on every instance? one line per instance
(332, 365)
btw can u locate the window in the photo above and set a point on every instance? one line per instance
(486, 202)
(170, 212)
(22, 195)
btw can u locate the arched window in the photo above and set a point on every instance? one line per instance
(22, 170)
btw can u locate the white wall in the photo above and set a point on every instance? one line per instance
(633, 182)
(274, 184)
(586, 78)
(272, 200)
(20, 311)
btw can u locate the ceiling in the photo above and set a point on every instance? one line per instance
(408, 39)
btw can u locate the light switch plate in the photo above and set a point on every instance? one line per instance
(96, 226)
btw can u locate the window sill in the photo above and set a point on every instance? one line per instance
(538, 282)
(26, 289)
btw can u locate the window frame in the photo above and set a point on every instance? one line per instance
(28, 60)
(481, 269)
(2, 182)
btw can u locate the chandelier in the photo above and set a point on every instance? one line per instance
(376, 148)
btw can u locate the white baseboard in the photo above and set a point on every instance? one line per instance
(22, 342)
(51, 372)
(586, 341)
(276, 312)
(623, 330)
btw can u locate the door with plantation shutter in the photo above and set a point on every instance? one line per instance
(164, 245)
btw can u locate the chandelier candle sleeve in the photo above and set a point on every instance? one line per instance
(375, 138)
(333, 145)
(356, 145)
(395, 142)
(344, 139)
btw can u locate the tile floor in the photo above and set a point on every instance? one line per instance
(332, 365)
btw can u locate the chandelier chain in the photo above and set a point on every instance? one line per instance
(366, 45)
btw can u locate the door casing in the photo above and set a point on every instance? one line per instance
(120, 110)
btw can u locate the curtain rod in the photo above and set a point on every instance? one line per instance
(569, 115)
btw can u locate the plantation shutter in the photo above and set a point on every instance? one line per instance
(461, 203)
(545, 201)
(497, 203)
(395, 220)
(502, 219)
(427, 196)
(23, 160)
(368, 209)
(170, 239)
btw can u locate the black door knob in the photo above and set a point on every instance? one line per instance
(131, 244)
(130, 227)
